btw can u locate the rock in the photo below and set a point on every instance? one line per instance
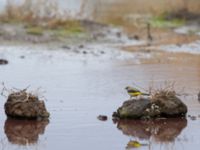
(66, 47)
(132, 109)
(84, 52)
(102, 52)
(169, 105)
(102, 117)
(22, 57)
(134, 37)
(119, 34)
(193, 118)
(25, 105)
(81, 46)
(3, 62)
(158, 107)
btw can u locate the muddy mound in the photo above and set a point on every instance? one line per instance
(25, 105)
(161, 104)
(168, 104)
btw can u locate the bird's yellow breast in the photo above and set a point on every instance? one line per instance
(134, 93)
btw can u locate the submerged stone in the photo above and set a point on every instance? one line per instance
(25, 105)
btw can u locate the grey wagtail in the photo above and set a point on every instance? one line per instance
(133, 92)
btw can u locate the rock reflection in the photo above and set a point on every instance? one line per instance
(163, 130)
(24, 132)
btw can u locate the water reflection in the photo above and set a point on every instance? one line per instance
(163, 130)
(23, 132)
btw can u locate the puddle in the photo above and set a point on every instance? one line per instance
(193, 48)
(79, 90)
(190, 29)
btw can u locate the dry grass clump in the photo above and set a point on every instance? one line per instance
(24, 93)
(30, 11)
(163, 95)
(35, 31)
(41, 17)
(22, 96)
(165, 92)
(42, 13)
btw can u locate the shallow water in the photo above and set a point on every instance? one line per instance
(78, 90)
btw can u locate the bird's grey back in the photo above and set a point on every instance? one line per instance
(131, 89)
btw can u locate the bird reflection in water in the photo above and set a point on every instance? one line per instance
(161, 130)
(23, 132)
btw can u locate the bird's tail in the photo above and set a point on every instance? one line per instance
(145, 94)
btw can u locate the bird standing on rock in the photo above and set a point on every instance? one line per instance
(133, 92)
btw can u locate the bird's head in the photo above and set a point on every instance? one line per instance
(128, 87)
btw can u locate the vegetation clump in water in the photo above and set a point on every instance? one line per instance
(162, 103)
(24, 105)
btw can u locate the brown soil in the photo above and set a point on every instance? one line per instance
(160, 36)
(163, 37)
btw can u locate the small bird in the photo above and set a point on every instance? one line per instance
(133, 92)
(199, 96)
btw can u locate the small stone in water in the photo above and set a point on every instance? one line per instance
(102, 117)
(84, 52)
(193, 118)
(3, 62)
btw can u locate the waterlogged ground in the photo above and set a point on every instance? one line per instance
(83, 78)
(79, 87)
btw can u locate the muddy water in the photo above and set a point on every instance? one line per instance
(78, 90)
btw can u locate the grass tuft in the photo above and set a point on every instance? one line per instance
(161, 22)
(35, 31)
